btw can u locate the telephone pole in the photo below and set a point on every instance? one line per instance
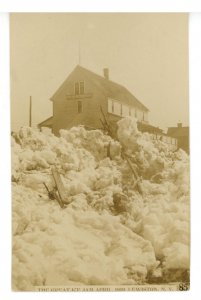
(30, 111)
(79, 54)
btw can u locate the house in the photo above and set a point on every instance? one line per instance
(158, 134)
(78, 100)
(181, 133)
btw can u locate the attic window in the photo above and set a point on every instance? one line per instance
(79, 88)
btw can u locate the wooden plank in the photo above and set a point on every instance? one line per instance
(60, 187)
(137, 178)
(105, 119)
(51, 194)
(58, 198)
(103, 124)
(108, 150)
(107, 125)
(132, 168)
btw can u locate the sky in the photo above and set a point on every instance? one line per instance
(145, 52)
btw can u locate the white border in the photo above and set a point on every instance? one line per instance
(5, 202)
(100, 6)
(195, 137)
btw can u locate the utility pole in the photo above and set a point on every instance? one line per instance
(79, 54)
(30, 111)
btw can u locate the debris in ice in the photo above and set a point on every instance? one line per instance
(109, 233)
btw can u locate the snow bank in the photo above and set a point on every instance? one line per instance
(73, 245)
(109, 233)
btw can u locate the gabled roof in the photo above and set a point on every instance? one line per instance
(109, 88)
(46, 123)
(145, 127)
(178, 131)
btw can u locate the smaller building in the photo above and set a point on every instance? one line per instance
(158, 134)
(181, 133)
(46, 123)
(143, 127)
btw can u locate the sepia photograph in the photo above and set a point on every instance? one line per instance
(100, 152)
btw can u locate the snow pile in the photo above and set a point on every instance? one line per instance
(76, 245)
(109, 233)
(151, 156)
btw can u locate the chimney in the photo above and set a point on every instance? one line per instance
(179, 125)
(106, 73)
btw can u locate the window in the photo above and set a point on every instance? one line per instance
(125, 110)
(112, 106)
(79, 107)
(132, 112)
(117, 108)
(79, 88)
(140, 115)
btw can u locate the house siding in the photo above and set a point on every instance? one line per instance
(116, 108)
(183, 143)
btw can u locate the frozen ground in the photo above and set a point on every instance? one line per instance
(109, 233)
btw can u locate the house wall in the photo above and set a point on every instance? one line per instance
(182, 140)
(171, 142)
(122, 110)
(65, 105)
(183, 143)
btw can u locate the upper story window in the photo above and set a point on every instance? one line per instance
(79, 88)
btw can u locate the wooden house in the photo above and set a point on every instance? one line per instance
(78, 100)
(181, 133)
